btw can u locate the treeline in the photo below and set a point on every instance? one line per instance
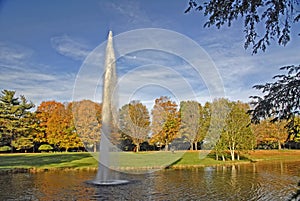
(76, 126)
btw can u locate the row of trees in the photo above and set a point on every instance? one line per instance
(222, 124)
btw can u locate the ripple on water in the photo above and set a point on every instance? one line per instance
(241, 182)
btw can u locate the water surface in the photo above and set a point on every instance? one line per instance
(256, 181)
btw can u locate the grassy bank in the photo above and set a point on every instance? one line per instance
(130, 160)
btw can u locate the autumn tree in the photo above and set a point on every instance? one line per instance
(274, 18)
(237, 134)
(165, 122)
(270, 132)
(135, 122)
(44, 113)
(204, 122)
(70, 139)
(218, 109)
(57, 126)
(190, 119)
(15, 121)
(87, 122)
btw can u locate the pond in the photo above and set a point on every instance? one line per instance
(255, 181)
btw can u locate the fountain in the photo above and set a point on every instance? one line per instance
(106, 176)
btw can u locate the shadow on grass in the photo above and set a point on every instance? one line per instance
(174, 163)
(39, 160)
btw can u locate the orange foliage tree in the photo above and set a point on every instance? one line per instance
(270, 132)
(165, 122)
(134, 122)
(57, 126)
(87, 120)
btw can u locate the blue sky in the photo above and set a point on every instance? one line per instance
(43, 45)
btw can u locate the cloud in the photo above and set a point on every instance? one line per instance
(21, 74)
(239, 69)
(38, 86)
(128, 14)
(12, 54)
(69, 47)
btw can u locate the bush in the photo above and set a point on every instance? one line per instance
(5, 149)
(45, 147)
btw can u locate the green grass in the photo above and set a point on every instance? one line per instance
(130, 160)
(47, 160)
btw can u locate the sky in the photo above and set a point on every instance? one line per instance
(53, 50)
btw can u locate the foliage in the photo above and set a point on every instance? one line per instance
(87, 121)
(56, 122)
(44, 113)
(15, 120)
(190, 120)
(267, 132)
(204, 121)
(135, 122)
(45, 147)
(165, 122)
(281, 100)
(5, 149)
(218, 111)
(276, 17)
(237, 134)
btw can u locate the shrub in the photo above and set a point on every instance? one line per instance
(45, 147)
(5, 149)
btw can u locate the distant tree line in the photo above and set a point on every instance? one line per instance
(76, 126)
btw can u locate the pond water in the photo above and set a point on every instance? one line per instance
(255, 181)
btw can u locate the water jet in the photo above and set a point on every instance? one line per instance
(105, 176)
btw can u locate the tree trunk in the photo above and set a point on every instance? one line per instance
(137, 147)
(223, 157)
(238, 157)
(279, 145)
(95, 147)
(195, 144)
(217, 157)
(232, 154)
(191, 145)
(167, 147)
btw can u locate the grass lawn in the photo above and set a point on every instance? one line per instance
(47, 160)
(130, 160)
(268, 155)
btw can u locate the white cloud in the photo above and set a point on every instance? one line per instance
(38, 86)
(128, 11)
(20, 74)
(13, 54)
(69, 47)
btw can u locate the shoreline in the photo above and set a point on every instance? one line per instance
(34, 170)
(86, 162)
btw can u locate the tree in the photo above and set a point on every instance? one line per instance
(190, 119)
(204, 122)
(57, 125)
(217, 113)
(87, 121)
(277, 18)
(134, 122)
(237, 134)
(165, 122)
(15, 120)
(61, 131)
(281, 100)
(267, 132)
(44, 113)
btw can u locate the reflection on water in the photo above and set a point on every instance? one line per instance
(256, 181)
